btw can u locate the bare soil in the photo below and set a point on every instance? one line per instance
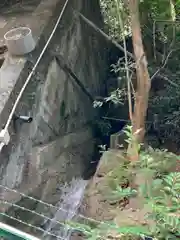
(129, 212)
(96, 205)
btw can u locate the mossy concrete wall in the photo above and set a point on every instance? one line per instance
(57, 144)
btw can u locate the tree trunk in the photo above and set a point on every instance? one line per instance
(143, 80)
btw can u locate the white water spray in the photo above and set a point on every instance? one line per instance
(68, 206)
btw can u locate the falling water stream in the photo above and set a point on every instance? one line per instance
(68, 205)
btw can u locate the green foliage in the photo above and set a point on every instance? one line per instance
(161, 187)
(131, 138)
(119, 175)
(150, 10)
(159, 161)
(167, 105)
(102, 127)
(160, 9)
(163, 199)
(110, 13)
(163, 12)
(160, 192)
(116, 97)
(120, 193)
(165, 208)
(106, 230)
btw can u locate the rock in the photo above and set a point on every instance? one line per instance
(57, 145)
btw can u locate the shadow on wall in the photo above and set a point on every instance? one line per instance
(108, 109)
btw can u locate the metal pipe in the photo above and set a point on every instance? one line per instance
(66, 68)
(31, 73)
(97, 29)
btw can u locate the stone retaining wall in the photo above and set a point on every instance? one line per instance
(58, 142)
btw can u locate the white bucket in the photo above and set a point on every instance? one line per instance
(19, 41)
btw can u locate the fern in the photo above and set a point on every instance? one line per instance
(121, 193)
(106, 230)
(166, 208)
(160, 161)
(160, 191)
(120, 175)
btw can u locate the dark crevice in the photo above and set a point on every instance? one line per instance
(108, 110)
(1, 62)
(3, 50)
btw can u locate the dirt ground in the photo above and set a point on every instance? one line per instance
(97, 207)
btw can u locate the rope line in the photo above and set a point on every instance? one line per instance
(49, 205)
(47, 232)
(32, 211)
(49, 219)
(38, 214)
(106, 224)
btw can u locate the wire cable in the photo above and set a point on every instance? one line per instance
(48, 204)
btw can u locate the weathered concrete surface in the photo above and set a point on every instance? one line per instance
(12, 68)
(58, 143)
(54, 163)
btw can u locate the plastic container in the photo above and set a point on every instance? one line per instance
(19, 41)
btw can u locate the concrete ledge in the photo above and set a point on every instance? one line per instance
(13, 72)
(41, 155)
(41, 166)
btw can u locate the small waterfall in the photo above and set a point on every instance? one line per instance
(68, 205)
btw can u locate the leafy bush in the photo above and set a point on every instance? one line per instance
(165, 208)
(110, 13)
(161, 162)
(160, 191)
(167, 105)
